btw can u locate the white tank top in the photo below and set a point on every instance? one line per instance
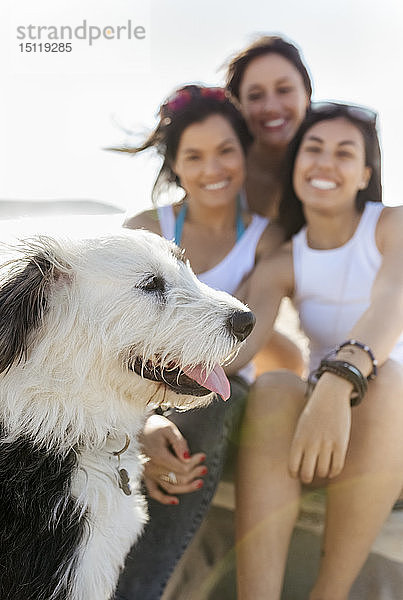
(227, 274)
(333, 287)
(237, 264)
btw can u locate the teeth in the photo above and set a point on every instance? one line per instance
(323, 184)
(216, 186)
(275, 122)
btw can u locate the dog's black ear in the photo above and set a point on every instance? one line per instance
(23, 302)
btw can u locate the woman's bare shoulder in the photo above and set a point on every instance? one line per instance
(270, 241)
(145, 220)
(277, 268)
(389, 228)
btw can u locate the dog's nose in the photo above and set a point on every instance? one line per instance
(241, 323)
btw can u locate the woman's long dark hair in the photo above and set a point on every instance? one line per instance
(267, 44)
(291, 215)
(187, 105)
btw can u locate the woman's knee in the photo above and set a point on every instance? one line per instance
(282, 382)
(274, 405)
(377, 423)
(276, 391)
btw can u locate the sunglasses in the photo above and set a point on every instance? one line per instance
(182, 97)
(360, 113)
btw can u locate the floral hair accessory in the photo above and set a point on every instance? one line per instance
(178, 101)
(182, 97)
(217, 93)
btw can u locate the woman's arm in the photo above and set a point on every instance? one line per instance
(382, 323)
(323, 431)
(270, 281)
(145, 220)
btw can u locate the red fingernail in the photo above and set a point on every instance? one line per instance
(199, 484)
(204, 471)
(186, 455)
(174, 502)
(202, 458)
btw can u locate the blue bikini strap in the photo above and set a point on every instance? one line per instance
(240, 225)
(180, 220)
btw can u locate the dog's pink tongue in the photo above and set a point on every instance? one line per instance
(216, 381)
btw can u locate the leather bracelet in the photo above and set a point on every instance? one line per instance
(366, 349)
(351, 373)
(342, 369)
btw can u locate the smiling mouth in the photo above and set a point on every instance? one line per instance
(188, 381)
(216, 186)
(275, 123)
(323, 184)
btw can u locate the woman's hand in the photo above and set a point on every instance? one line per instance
(168, 453)
(321, 438)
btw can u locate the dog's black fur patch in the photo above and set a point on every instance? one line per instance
(23, 302)
(40, 529)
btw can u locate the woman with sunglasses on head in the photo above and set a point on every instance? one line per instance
(342, 265)
(202, 139)
(271, 84)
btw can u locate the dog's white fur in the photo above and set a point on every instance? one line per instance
(73, 389)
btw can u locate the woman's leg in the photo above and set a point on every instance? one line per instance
(267, 497)
(360, 499)
(171, 528)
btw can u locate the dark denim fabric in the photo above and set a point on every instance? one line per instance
(171, 528)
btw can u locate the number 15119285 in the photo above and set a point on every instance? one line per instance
(45, 47)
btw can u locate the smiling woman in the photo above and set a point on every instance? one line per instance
(210, 162)
(273, 99)
(272, 86)
(292, 216)
(331, 158)
(342, 266)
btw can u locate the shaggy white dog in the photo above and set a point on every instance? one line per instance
(92, 334)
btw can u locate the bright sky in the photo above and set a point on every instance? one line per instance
(58, 110)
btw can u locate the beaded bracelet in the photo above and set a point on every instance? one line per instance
(342, 369)
(366, 349)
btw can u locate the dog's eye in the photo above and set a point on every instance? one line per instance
(154, 284)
